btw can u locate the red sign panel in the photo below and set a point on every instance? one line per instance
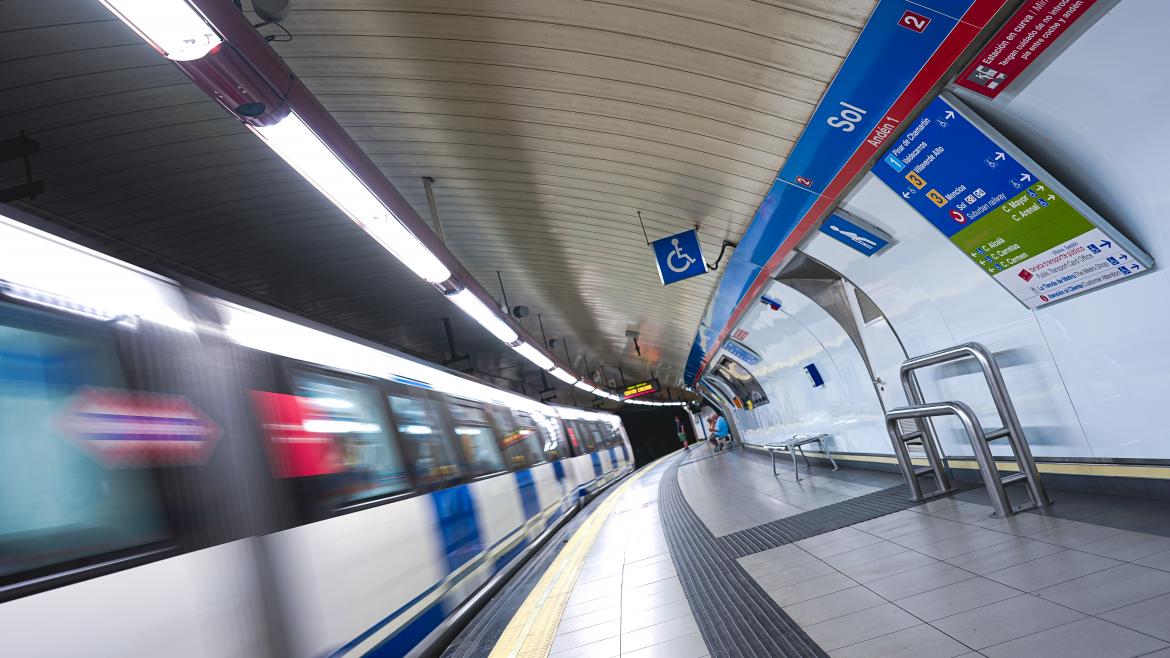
(126, 429)
(1029, 32)
(296, 451)
(914, 22)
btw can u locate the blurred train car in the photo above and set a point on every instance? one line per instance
(187, 474)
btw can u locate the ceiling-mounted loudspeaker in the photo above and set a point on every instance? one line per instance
(520, 311)
(272, 11)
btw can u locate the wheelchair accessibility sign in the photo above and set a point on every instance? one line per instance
(679, 257)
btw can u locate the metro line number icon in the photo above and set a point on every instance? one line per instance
(914, 22)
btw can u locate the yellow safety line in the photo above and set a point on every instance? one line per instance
(532, 629)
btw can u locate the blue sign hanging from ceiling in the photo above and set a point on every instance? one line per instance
(855, 233)
(679, 257)
(742, 352)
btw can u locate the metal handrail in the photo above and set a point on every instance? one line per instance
(979, 444)
(1011, 428)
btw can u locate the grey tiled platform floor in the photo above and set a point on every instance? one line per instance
(628, 600)
(944, 579)
(758, 496)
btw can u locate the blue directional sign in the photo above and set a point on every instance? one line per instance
(679, 257)
(854, 233)
(1002, 210)
(742, 352)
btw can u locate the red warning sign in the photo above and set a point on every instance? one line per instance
(1029, 32)
(127, 429)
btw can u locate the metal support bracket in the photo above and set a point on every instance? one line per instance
(20, 148)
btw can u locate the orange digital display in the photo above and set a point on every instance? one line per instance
(640, 389)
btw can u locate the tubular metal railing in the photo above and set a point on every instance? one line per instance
(921, 412)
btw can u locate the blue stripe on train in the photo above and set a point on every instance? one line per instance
(456, 515)
(596, 464)
(528, 497)
(509, 554)
(612, 456)
(559, 469)
(408, 636)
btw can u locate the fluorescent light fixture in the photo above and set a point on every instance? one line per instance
(173, 27)
(563, 375)
(534, 355)
(299, 146)
(584, 386)
(415, 429)
(469, 431)
(484, 315)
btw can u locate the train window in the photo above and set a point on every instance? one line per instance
(553, 449)
(475, 436)
(520, 441)
(598, 436)
(360, 461)
(59, 501)
(587, 440)
(426, 446)
(574, 437)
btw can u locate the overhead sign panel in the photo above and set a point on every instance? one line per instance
(679, 257)
(1002, 210)
(1027, 34)
(640, 389)
(855, 233)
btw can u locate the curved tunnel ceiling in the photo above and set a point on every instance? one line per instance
(546, 125)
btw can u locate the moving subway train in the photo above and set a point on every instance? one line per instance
(183, 475)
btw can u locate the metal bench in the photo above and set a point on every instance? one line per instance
(797, 443)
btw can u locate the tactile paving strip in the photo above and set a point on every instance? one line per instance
(817, 521)
(736, 616)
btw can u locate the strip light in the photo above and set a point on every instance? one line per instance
(585, 386)
(300, 147)
(563, 375)
(481, 313)
(534, 355)
(175, 29)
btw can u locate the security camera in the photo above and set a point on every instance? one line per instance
(271, 11)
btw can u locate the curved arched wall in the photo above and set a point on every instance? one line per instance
(1088, 375)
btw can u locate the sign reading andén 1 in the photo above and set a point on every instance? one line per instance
(679, 257)
(1006, 213)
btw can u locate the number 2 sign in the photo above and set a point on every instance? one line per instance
(913, 21)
